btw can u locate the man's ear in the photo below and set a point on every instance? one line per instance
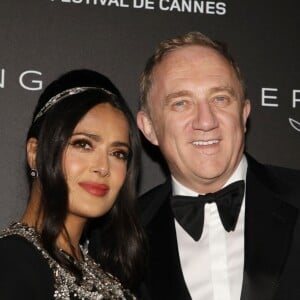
(246, 113)
(145, 125)
(31, 148)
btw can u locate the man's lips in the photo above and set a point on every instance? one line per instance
(95, 189)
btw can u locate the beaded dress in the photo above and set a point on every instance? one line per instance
(96, 284)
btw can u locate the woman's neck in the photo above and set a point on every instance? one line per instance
(69, 238)
(33, 214)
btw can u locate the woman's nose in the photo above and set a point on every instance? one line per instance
(101, 166)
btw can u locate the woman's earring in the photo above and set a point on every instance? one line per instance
(34, 173)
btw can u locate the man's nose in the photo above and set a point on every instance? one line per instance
(204, 117)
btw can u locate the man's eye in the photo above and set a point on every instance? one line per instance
(220, 100)
(180, 103)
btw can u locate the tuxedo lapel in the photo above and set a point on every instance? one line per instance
(165, 277)
(269, 224)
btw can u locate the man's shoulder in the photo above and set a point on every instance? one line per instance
(275, 173)
(287, 181)
(150, 202)
(161, 189)
(278, 181)
(284, 173)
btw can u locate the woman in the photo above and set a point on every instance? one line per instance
(82, 156)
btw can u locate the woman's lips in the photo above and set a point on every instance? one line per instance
(95, 189)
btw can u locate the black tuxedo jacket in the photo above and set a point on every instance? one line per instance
(272, 238)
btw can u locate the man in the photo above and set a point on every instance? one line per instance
(194, 108)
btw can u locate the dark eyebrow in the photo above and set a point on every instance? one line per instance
(120, 144)
(97, 138)
(94, 137)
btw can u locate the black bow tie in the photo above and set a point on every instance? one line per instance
(189, 211)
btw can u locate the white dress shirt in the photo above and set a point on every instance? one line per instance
(213, 266)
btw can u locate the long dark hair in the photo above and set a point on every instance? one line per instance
(117, 239)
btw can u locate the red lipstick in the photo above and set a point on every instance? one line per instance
(95, 189)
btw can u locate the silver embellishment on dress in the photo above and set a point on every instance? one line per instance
(96, 284)
(64, 94)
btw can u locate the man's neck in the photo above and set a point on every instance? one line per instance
(238, 174)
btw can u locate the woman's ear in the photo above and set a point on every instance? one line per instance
(31, 148)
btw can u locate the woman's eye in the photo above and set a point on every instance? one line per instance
(81, 144)
(120, 154)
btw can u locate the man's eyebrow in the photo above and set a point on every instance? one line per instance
(182, 93)
(225, 88)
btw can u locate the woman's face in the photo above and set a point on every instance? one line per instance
(95, 161)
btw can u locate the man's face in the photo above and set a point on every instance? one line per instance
(197, 117)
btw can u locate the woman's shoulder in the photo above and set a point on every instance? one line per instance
(24, 271)
(17, 248)
(19, 251)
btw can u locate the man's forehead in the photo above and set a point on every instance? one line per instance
(186, 51)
